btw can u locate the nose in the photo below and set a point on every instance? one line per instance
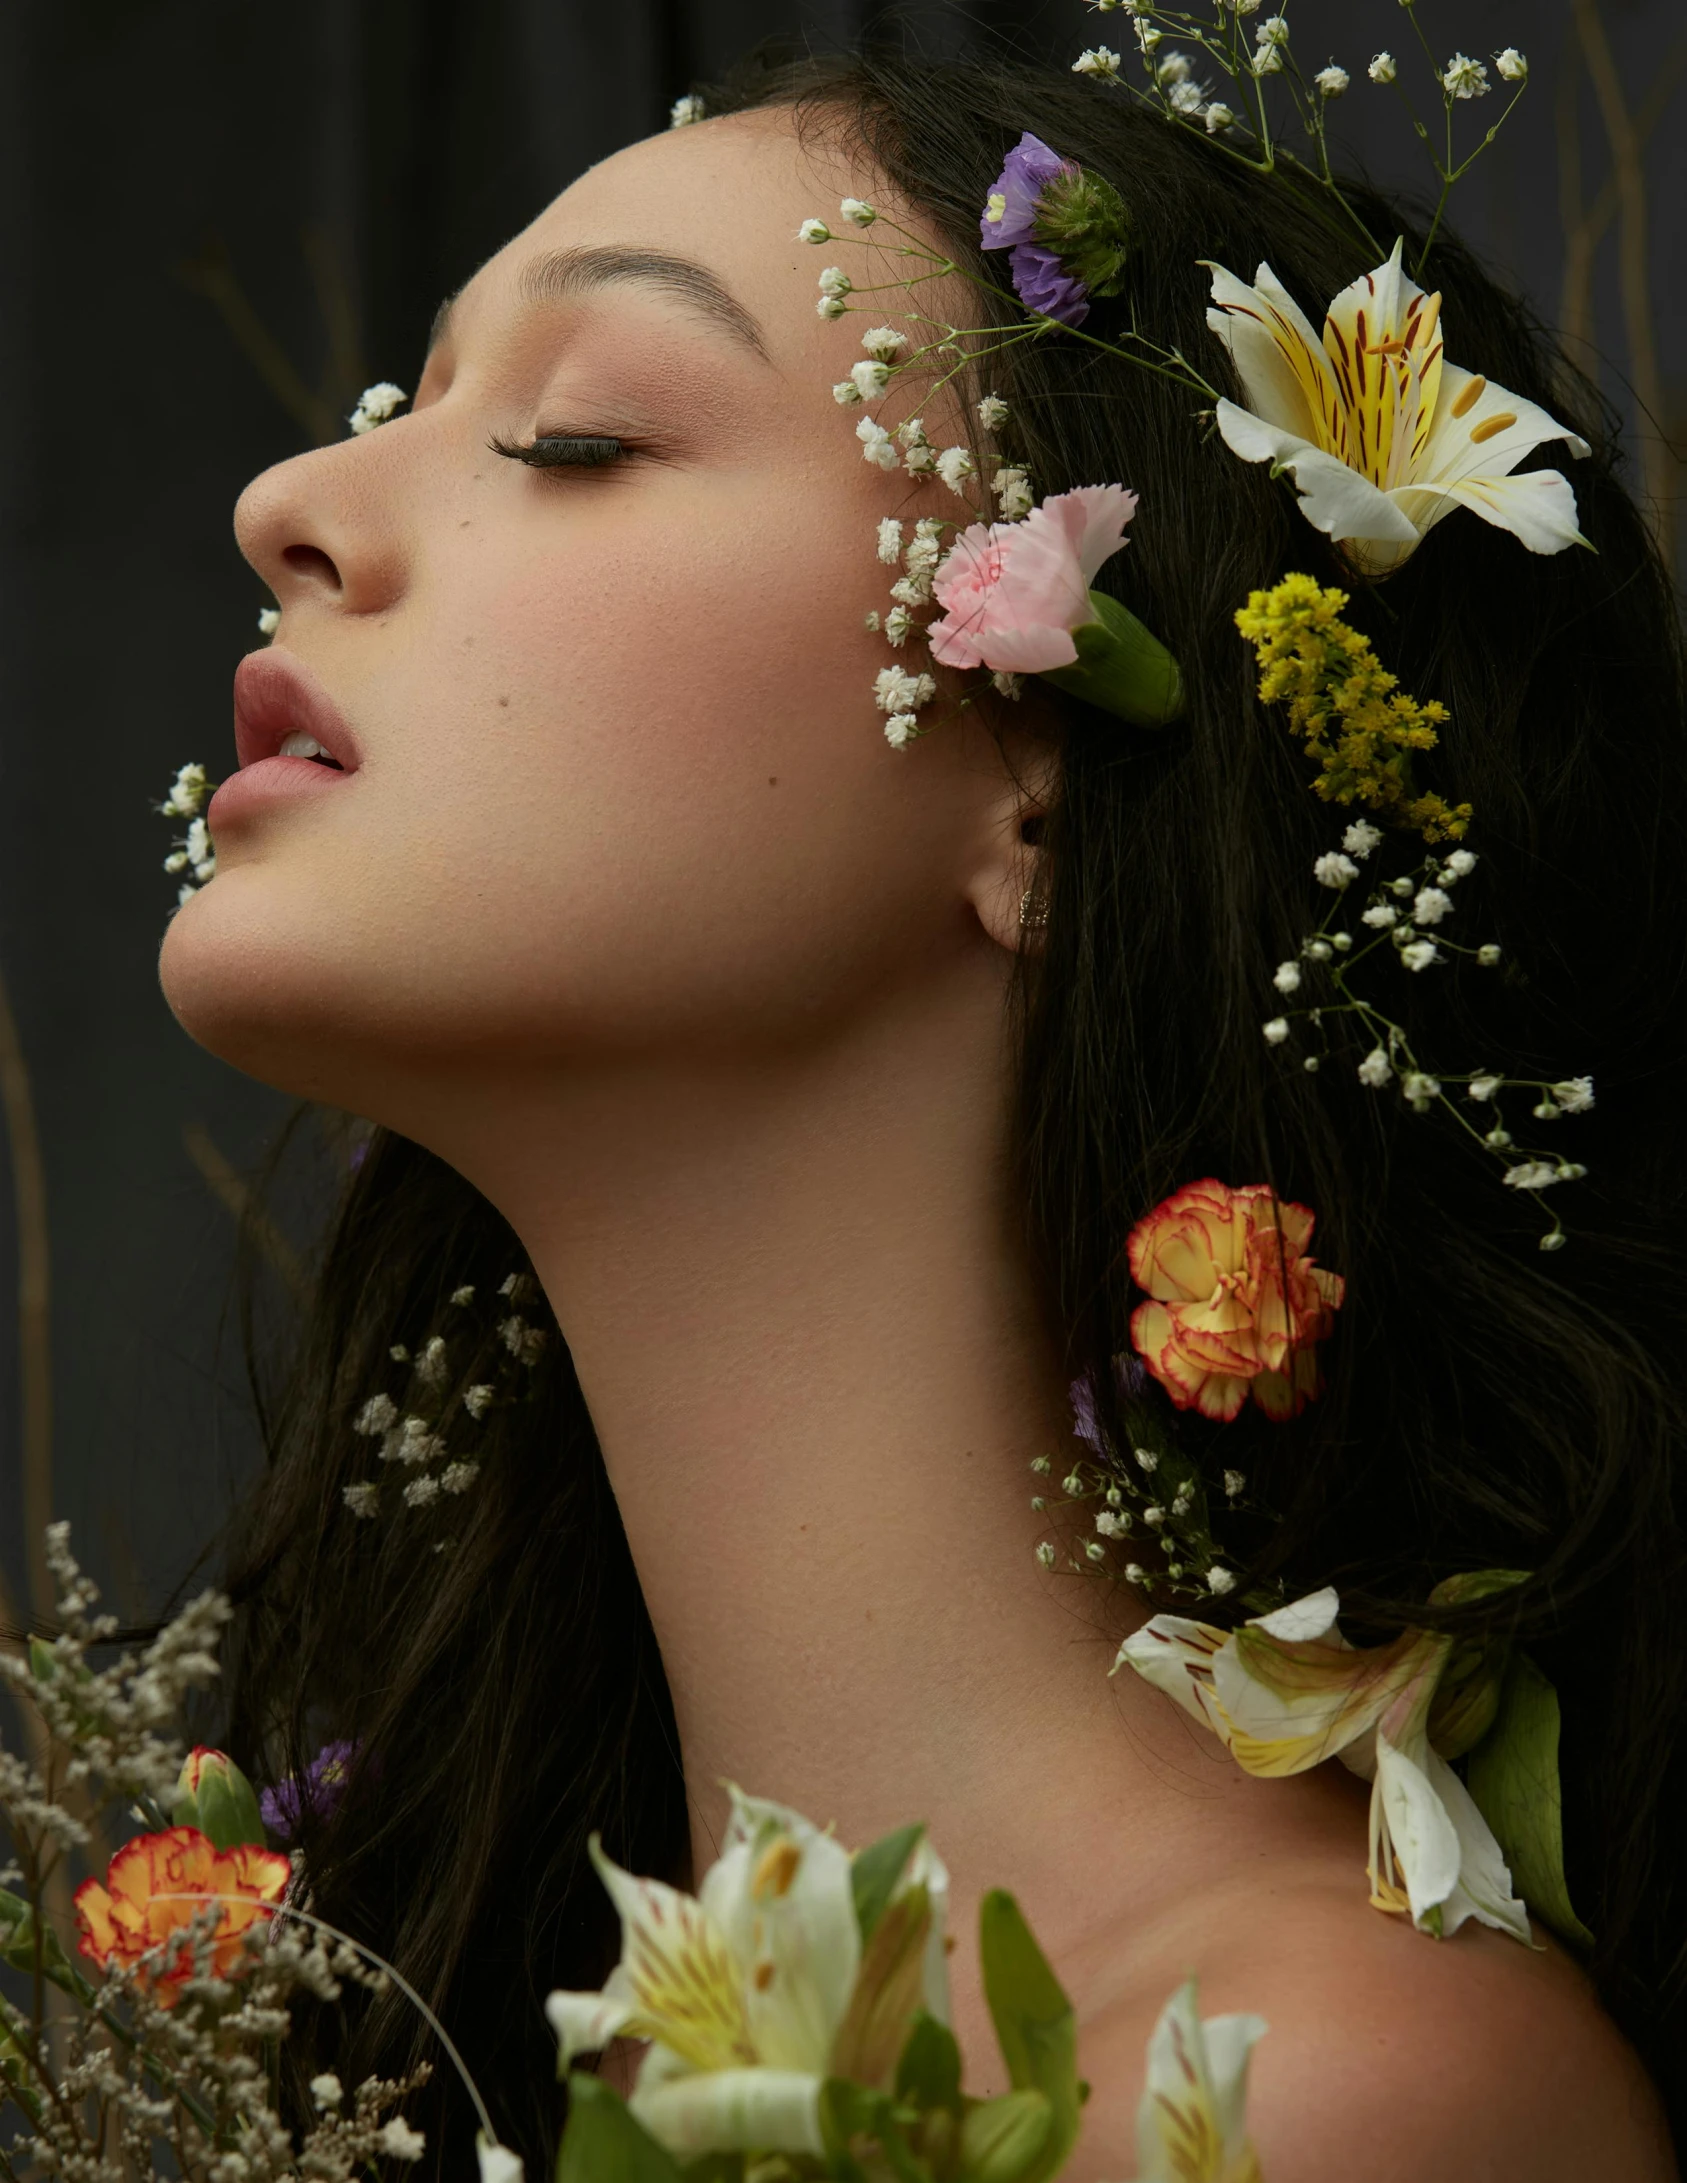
(323, 528)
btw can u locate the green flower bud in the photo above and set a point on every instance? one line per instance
(213, 1795)
(1003, 2138)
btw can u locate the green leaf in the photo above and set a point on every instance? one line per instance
(18, 1940)
(929, 2073)
(1122, 667)
(604, 2142)
(874, 1872)
(1035, 2026)
(1513, 1776)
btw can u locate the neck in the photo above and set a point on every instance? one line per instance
(798, 1303)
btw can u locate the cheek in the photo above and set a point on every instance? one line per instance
(625, 785)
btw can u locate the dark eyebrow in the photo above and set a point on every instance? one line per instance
(559, 275)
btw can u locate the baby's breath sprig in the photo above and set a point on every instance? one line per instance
(193, 851)
(1404, 917)
(426, 1435)
(1270, 94)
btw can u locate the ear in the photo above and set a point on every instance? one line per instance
(1008, 889)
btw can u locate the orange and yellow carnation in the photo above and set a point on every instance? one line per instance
(1235, 1306)
(152, 1890)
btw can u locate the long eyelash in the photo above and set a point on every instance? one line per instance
(550, 451)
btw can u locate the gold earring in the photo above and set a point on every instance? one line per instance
(1033, 911)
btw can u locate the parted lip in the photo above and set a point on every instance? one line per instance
(274, 697)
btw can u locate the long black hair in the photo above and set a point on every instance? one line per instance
(1487, 1405)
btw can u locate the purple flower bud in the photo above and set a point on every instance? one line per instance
(319, 1790)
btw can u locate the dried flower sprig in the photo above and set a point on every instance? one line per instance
(425, 1434)
(1404, 918)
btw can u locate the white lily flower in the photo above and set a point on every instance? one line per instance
(1286, 1691)
(1191, 2124)
(1381, 435)
(754, 1991)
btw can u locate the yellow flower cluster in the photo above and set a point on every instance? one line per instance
(1357, 722)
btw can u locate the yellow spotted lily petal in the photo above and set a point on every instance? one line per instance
(1191, 2125)
(1294, 1692)
(781, 1896)
(1382, 436)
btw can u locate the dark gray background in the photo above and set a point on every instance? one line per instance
(219, 219)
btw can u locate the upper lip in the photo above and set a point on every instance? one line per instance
(274, 697)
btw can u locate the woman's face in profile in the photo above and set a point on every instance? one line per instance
(616, 785)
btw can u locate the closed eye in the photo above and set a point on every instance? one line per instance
(554, 450)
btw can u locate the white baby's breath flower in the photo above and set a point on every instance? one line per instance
(1006, 684)
(871, 378)
(1268, 61)
(327, 2090)
(1459, 865)
(857, 212)
(477, 1400)
(1220, 1580)
(1419, 954)
(876, 443)
(830, 307)
(458, 1477)
(375, 405)
(900, 730)
(920, 460)
(1187, 98)
(1431, 906)
(883, 342)
(1111, 1526)
(834, 281)
(188, 792)
(1172, 68)
(463, 1296)
(1420, 1091)
(1383, 68)
(1147, 1459)
(1135, 1573)
(1376, 1069)
(684, 111)
(992, 413)
(1012, 489)
(1464, 78)
(912, 590)
(954, 467)
(421, 1491)
(911, 432)
(1276, 1030)
(1380, 916)
(845, 393)
(890, 540)
(1512, 65)
(898, 623)
(1483, 1088)
(1218, 118)
(1147, 37)
(1286, 978)
(1273, 31)
(1331, 81)
(1488, 955)
(814, 231)
(269, 620)
(363, 1498)
(895, 690)
(1098, 61)
(399, 2141)
(1574, 1095)
(1335, 870)
(1532, 1175)
(1045, 1554)
(376, 1416)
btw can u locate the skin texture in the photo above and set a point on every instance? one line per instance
(630, 913)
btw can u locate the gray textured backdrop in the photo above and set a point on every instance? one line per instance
(220, 218)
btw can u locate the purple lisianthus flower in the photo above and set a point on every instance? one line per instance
(318, 1789)
(1040, 281)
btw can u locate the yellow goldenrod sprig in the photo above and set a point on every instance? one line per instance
(1356, 721)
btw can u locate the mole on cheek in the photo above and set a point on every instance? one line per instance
(503, 701)
(773, 780)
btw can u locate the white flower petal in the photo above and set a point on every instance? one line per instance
(783, 1899)
(497, 2163)
(1277, 355)
(1176, 1656)
(1452, 450)
(1538, 507)
(584, 2023)
(1303, 1619)
(1334, 499)
(734, 2111)
(1191, 2123)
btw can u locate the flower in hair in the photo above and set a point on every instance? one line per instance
(1287, 1691)
(1235, 1306)
(1066, 231)
(1191, 2123)
(1382, 436)
(140, 1918)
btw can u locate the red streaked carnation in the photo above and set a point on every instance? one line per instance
(1235, 1304)
(154, 1887)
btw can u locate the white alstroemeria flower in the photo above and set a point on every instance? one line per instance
(1191, 2123)
(756, 1989)
(1286, 1691)
(1381, 435)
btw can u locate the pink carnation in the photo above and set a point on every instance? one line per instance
(1012, 593)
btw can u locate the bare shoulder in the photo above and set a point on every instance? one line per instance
(1472, 2060)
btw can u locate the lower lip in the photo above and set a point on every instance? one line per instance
(270, 781)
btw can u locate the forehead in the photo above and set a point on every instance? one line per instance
(727, 193)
